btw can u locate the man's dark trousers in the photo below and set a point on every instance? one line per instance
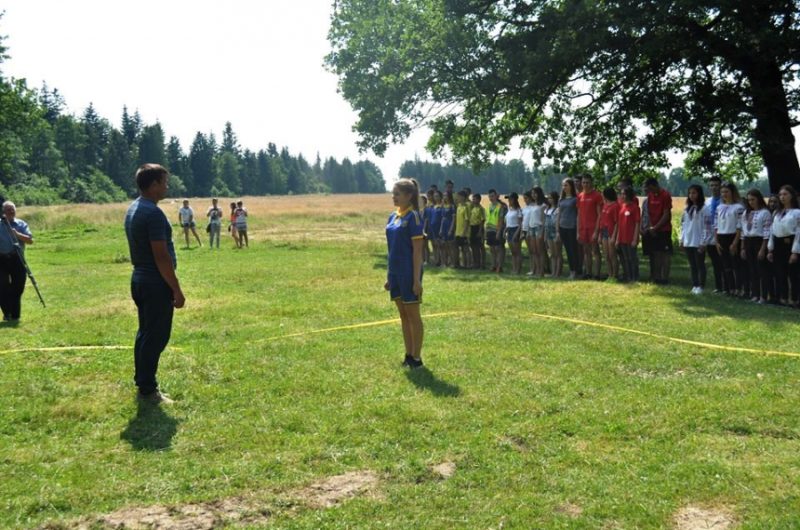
(154, 302)
(12, 285)
(716, 264)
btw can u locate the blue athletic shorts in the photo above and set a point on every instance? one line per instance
(401, 287)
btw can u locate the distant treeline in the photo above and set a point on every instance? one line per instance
(515, 175)
(49, 156)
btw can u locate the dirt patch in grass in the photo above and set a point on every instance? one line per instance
(445, 470)
(195, 516)
(325, 493)
(699, 518)
(570, 510)
(331, 491)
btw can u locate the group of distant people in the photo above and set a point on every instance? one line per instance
(753, 244)
(237, 227)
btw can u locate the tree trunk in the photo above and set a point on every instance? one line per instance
(773, 125)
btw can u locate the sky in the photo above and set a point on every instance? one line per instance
(193, 65)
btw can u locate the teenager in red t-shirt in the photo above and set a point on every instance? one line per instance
(609, 218)
(630, 216)
(659, 205)
(590, 206)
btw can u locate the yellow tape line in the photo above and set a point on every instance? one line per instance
(664, 337)
(72, 348)
(598, 325)
(355, 326)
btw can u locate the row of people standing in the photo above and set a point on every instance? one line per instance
(754, 244)
(575, 223)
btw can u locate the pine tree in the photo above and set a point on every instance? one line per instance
(151, 145)
(201, 163)
(131, 126)
(229, 142)
(52, 103)
(119, 163)
(248, 174)
(228, 172)
(96, 130)
(266, 180)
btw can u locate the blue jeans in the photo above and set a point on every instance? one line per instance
(154, 302)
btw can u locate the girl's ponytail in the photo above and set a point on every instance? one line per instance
(410, 186)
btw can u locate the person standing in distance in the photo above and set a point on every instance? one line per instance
(12, 270)
(154, 286)
(404, 238)
(186, 220)
(214, 215)
(240, 213)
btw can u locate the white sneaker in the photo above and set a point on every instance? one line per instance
(699, 290)
(694, 290)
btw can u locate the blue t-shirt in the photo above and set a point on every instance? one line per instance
(145, 222)
(448, 215)
(568, 212)
(401, 230)
(6, 241)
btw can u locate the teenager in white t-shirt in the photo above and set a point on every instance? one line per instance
(186, 220)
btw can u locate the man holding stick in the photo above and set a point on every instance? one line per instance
(12, 268)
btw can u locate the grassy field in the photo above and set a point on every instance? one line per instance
(517, 421)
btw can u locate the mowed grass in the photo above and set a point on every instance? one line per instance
(549, 424)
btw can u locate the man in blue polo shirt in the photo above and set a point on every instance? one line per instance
(154, 285)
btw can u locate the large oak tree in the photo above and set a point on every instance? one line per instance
(609, 84)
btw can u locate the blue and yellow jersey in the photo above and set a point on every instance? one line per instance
(448, 217)
(402, 229)
(435, 220)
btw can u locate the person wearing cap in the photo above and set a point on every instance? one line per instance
(513, 231)
(12, 270)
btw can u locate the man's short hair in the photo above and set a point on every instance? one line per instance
(147, 174)
(587, 176)
(492, 191)
(651, 182)
(715, 178)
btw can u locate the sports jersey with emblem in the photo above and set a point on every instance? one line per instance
(401, 230)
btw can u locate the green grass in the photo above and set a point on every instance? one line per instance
(536, 414)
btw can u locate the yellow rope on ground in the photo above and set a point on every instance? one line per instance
(377, 323)
(664, 337)
(70, 348)
(355, 326)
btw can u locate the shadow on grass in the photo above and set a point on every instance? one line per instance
(9, 324)
(152, 429)
(424, 379)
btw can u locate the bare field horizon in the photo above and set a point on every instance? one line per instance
(260, 207)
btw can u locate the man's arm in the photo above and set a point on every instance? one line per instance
(167, 270)
(23, 238)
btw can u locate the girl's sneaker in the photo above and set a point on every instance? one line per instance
(414, 363)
